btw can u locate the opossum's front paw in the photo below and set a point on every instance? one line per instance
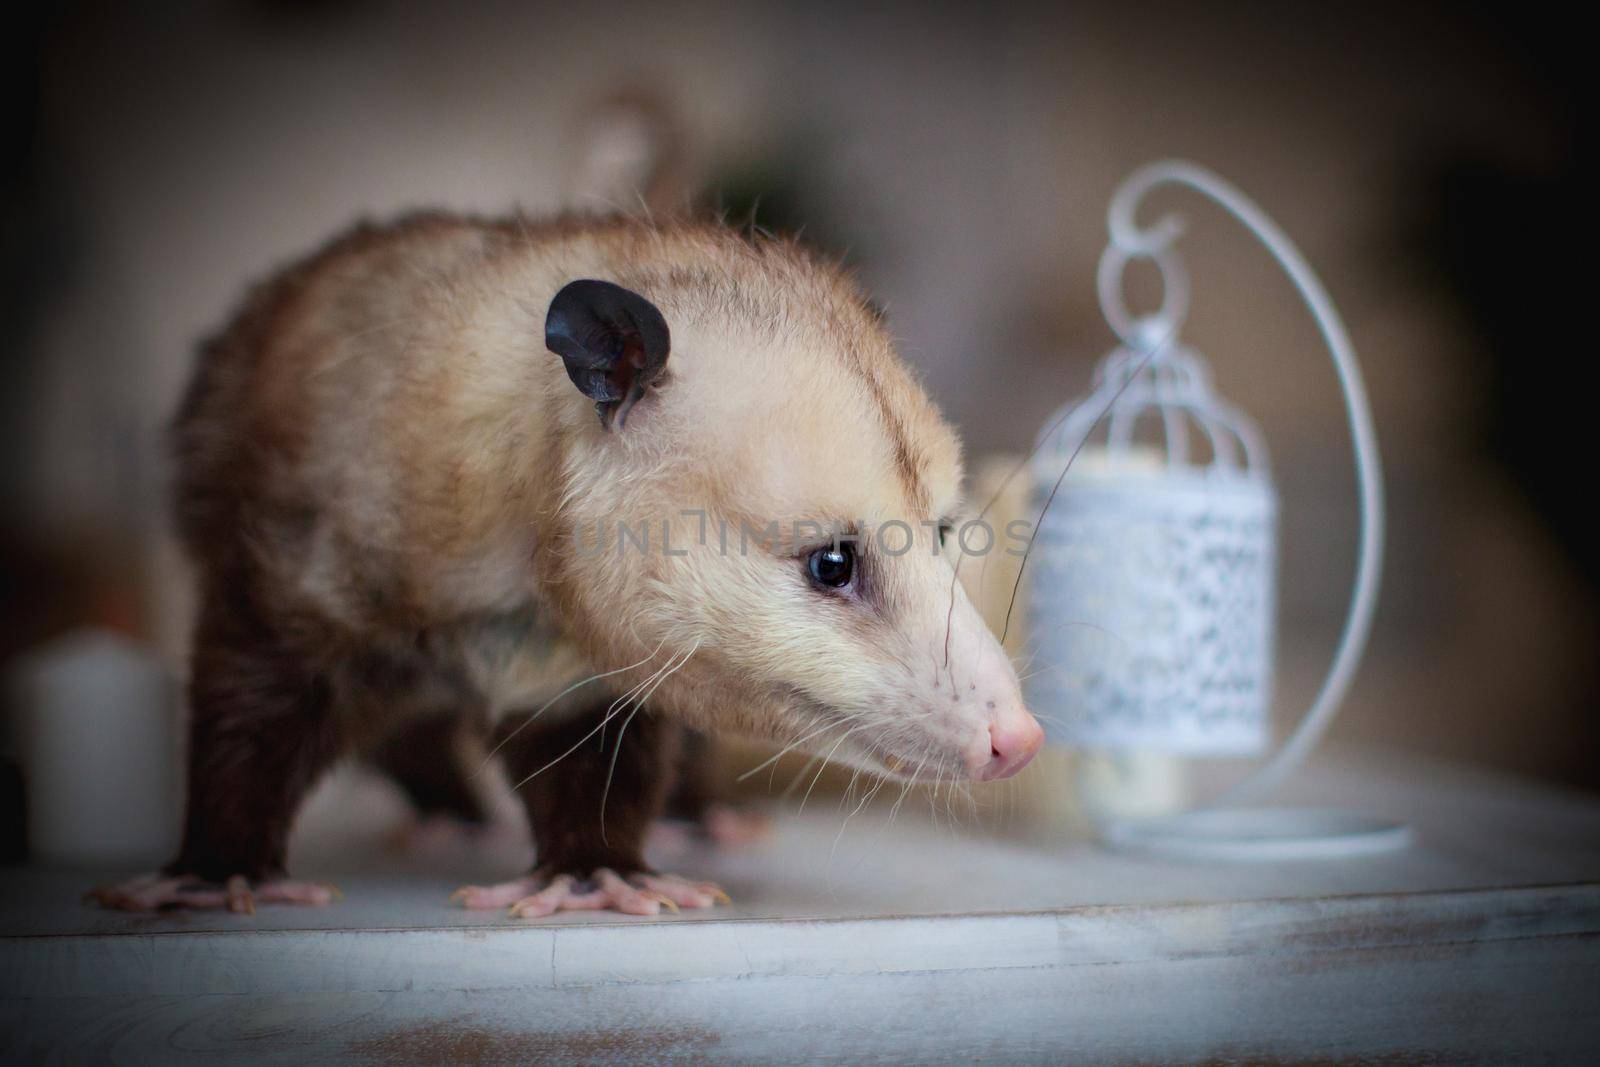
(602, 889)
(154, 892)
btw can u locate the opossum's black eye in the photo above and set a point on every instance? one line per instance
(944, 531)
(832, 566)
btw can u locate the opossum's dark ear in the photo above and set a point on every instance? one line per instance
(613, 341)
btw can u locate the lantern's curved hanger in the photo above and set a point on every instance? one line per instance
(1262, 833)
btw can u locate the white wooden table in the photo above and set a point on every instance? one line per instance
(894, 943)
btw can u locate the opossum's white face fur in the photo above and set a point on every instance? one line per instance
(782, 421)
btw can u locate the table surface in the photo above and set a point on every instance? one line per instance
(851, 939)
(1472, 830)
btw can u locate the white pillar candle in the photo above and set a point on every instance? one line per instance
(96, 725)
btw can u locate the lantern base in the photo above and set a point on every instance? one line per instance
(1258, 834)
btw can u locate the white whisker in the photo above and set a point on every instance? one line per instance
(638, 705)
(865, 799)
(824, 766)
(547, 704)
(787, 748)
(611, 713)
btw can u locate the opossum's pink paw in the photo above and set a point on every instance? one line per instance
(149, 892)
(670, 835)
(733, 827)
(154, 892)
(432, 835)
(604, 890)
(284, 891)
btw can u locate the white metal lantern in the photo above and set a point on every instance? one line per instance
(1158, 560)
(1153, 560)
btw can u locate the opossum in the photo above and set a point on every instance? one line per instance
(413, 474)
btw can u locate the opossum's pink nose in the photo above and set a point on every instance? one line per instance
(1013, 740)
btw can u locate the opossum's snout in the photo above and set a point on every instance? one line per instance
(1013, 739)
(968, 735)
(997, 735)
(961, 715)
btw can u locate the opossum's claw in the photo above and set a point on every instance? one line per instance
(239, 898)
(477, 897)
(681, 891)
(152, 892)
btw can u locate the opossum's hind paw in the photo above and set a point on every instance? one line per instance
(432, 836)
(723, 826)
(735, 827)
(602, 890)
(154, 892)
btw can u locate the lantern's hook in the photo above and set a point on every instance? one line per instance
(1151, 334)
(1128, 240)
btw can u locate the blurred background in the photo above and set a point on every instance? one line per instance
(160, 156)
